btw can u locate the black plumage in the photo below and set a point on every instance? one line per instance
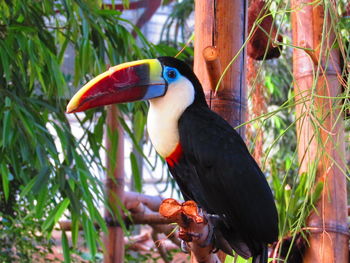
(217, 171)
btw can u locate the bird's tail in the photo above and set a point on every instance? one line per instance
(263, 257)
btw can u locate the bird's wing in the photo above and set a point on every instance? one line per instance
(230, 182)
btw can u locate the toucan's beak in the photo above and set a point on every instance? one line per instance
(132, 81)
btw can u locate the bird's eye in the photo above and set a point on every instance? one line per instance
(171, 74)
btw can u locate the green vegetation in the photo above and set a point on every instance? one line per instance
(40, 179)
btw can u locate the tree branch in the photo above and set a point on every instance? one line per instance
(194, 228)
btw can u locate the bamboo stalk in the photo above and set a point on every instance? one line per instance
(320, 130)
(114, 239)
(222, 24)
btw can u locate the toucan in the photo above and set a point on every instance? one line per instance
(207, 158)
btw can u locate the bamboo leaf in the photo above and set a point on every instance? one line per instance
(5, 180)
(136, 176)
(89, 234)
(61, 208)
(139, 123)
(62, 51)
(230, 259)
(42, 202)
(6, 128)
(317, 192)
(51, 167)
(75, 231)
(55, 214)
(5, 62)
(65, 247)
(28, 187)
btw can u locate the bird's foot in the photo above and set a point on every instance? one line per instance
(202, 232)
(212, 221)
(195, 224)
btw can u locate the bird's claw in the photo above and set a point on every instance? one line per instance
(188, 236)
(212, 221)
(186, 213)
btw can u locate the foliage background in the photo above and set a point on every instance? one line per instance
(41, 178)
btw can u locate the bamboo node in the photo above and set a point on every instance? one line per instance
(330, 227)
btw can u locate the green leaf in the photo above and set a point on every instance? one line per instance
(65, 247)
(136, 176)
(28, 187)
(5, 62)
(43, 198)
(62, 51)
(50, 167)
(61, 208)
(230, 259)
(5, 180)
(6, 128)
(75, 231)
(90, 236)
(139, 125)
(317, 192)
(55, 214)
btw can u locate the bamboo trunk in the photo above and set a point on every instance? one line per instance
(222, 24)
(114, 239)
(220, 32)
(320, 130)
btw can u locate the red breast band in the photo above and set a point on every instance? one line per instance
(175, 156)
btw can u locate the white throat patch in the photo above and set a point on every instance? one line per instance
(164, 113)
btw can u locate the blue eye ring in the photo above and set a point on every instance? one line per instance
(171, 74)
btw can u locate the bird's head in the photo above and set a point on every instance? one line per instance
(139, 80)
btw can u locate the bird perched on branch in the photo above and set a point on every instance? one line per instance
(206, 156)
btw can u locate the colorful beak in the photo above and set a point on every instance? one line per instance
(132, 81)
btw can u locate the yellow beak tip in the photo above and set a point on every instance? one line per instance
(70, 108)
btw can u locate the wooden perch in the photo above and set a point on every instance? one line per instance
(143, 210)
(141, 214)
(132, 198)
(212, 62)
(146, 217)
(194, 228)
